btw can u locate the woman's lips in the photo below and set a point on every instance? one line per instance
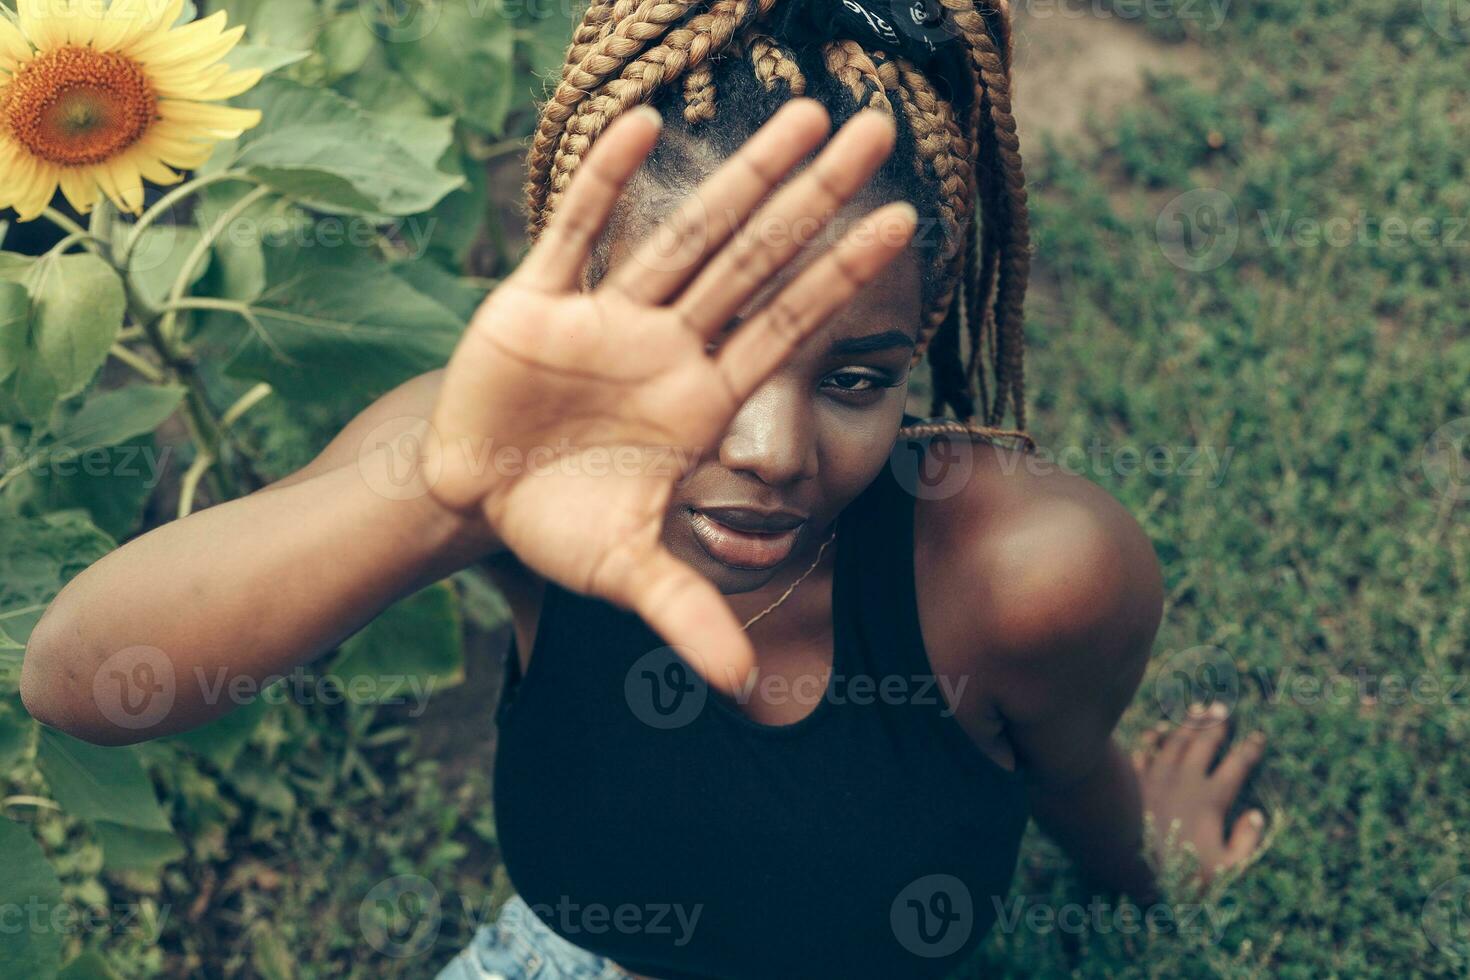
(742, 549)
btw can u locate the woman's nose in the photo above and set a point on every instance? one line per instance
(771, 435)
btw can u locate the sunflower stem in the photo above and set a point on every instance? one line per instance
(75, 232)
(197, 255)
(198, 415)
(166, 203)
(136, 362)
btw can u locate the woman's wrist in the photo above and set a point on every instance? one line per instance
(394, 465)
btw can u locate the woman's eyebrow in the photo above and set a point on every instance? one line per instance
(884, 340)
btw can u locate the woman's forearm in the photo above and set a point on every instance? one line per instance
(1098, 821)
(250, 588)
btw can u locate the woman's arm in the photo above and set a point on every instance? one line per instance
(1068, 628)
(256, 586)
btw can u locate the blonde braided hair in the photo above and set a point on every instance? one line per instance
(682, 54)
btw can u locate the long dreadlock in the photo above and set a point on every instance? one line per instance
(695, 60)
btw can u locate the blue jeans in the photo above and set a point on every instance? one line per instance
(519, 946)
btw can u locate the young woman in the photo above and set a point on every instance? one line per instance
(783, 693)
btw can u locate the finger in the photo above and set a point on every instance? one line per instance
(1245, 837)
(1199, 754)
(670, 256)
(760, 346)
(1148, 744)
(790, 219)
(556, 261)
(687, 610)
(1230, 775)
(1176, 742)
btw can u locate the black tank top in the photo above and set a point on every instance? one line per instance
(645, 819)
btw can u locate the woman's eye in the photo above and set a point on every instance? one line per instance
(857, 382)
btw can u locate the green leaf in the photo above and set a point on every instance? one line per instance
(114, 416)
(16, 729)
(30, 949)
(97, 783)
(431, 279)
(15, 313)
(76, 311)
(134, 849)
(278, 23)
(325, 151)
(336, 326)
(345, 44)
(401, 656)
(39, 557)
(221, 740)
(466, 41)
(112, 485)
(88, 966)
(264, 57)
(159, 257)
(77, 306)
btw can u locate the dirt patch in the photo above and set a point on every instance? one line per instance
(1073, 64)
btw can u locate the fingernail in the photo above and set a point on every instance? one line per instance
(1218, 710)
(650, 113)
(908, 210)
(1257, 818)
(1196, 709)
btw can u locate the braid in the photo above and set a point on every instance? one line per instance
(694, 59)
(596, 22)
(684, 47)
(1004, 155)
(627, 35)
(854, 68)
(699, 94)
(773, 63)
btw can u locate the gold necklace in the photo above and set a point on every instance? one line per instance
(792, 588)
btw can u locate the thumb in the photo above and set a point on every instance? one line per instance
(686, 609)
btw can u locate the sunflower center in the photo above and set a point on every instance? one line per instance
(74, 106)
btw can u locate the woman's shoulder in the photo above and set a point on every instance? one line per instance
(1038, 569)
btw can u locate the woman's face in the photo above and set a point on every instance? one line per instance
(809, 439)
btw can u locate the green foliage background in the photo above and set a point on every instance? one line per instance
(1328, 548)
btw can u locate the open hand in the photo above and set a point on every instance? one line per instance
(1174, 774)
(607, 398)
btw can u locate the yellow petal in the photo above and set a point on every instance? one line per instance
(80, 188)
(128, 21)
(35, 195)
(222, 121)
(190, 37)
(201, 54)
(232, 84)
(14, 50)
(123, 175)
(45, 22)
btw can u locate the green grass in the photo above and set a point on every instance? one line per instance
(1326, 554)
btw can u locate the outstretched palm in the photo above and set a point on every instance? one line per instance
(568, 416)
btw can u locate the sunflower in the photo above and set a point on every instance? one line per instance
(105, 95)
